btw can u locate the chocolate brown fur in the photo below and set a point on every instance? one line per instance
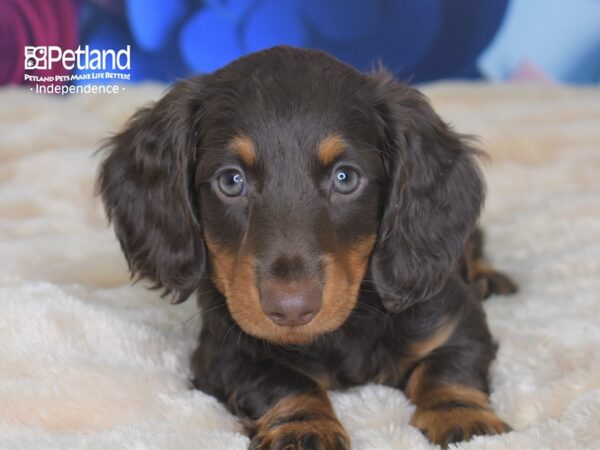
(398, 263)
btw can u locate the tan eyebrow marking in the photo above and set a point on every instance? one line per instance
(330, 147)
(243, 146)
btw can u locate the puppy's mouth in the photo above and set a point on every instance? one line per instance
(279, 330)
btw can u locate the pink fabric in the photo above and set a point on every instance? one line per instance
(528, 72)
(34, 22)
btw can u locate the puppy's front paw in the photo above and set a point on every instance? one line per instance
(302, 435)
(300, 422)
(446, 426)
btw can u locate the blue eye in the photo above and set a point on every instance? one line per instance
(231, 183)
(345, 180)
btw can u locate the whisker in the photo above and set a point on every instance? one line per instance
(202, 311)
(225, 336)
(186, 322)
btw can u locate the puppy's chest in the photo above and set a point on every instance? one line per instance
(341, 365)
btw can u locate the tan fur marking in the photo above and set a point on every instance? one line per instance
(427, 397)
(495, 282)
(344, 272)
(325, 425)
(318, 403)
(413, 387)
(420, 349)
(324, 381)
(329, 148)
(416, 351)
(223, 266)
(244, 148)
(483, 275)
(481, 267)
(441, 425)
(234, 276)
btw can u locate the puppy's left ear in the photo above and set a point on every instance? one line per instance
(434, 196)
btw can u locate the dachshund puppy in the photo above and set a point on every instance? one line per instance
(326, 220)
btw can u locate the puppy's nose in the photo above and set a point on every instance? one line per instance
(290, 303)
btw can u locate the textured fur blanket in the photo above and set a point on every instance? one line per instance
(88, 361)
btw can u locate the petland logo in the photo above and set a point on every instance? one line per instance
(97, 64)
(83, 58)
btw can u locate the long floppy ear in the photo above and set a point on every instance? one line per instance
(434, 195)
(146, 185)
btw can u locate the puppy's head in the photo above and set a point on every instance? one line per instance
(285, 178)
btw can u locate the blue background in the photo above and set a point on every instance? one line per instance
(551, 41)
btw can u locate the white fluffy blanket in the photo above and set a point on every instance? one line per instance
(88, 361)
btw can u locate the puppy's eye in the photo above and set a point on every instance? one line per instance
(231, 183)
(345, 180)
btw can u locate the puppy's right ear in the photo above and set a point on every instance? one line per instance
(147, 185)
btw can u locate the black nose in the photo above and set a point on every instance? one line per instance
(290, 303)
